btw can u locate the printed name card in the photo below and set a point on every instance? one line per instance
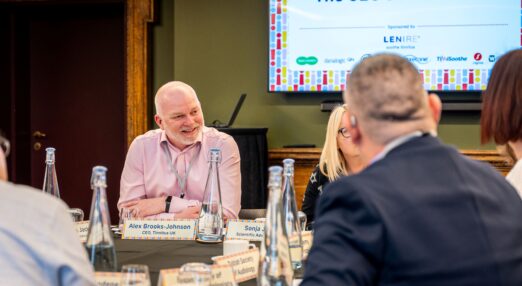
(296, 249)
(222, 275)
(107, 278)
(244, 264)
(245, 229)
(82, 228)
(182, 229)
(307, 238)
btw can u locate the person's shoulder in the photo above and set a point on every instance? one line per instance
(151, 136)
(216, 137)
(211, 132)
(515, 174)
(321, 178)
(28, 197)
(347, 194)
(343, 187)
(470, 164)
(480, 170)
(364, 185)
(315, 174)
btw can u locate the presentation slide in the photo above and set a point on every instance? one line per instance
(315, 43)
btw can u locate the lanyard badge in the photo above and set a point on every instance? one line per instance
(181, 180)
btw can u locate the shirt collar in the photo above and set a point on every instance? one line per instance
(395, 143)
(199, 139)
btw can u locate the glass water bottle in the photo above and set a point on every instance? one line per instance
(99, 244)
(210, 221)
(275, 267)
(290, 217)
(50, 184)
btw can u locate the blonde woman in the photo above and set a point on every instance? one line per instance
(340, 157)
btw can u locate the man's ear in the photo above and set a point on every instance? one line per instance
(355, 132)
(435, 106)
(158, 121)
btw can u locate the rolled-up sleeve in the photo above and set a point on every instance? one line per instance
(132, 186)
(146, 175)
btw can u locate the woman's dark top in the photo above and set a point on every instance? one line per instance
(314, 189)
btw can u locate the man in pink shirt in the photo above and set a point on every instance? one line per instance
(166, 169)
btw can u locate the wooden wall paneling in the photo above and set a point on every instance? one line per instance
(491, 157)
(305, 161)
(138, 15)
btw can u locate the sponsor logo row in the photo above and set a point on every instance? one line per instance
(476, 58)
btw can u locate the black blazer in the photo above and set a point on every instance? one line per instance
(316, 184)
(423, 215)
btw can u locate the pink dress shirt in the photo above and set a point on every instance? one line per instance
(147, 172)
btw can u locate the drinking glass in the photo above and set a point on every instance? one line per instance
(125, 214)
(194, 274)
(135, 274)
(76, 214)
(301, 216)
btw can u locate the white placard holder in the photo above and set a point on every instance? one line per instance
(107, 278)
(182, 229)
(244, 264)
(82, 228)
(245, 229)
(307, 239)
(222, 275)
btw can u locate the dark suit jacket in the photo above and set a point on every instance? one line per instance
(423, 215)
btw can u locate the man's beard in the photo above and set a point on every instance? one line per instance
(184, 140)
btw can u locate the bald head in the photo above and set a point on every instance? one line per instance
(178, 112)
(172, 92)
(386, 95)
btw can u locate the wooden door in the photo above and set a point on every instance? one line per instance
(73, 96)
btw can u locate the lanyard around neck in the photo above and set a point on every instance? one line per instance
(182, 180)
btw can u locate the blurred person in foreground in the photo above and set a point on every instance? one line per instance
(501, 117)
(166, 169)
(420, 213)
(339, 157)
(39, 242)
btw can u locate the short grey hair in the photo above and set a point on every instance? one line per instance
(173, 86)
(386, 95)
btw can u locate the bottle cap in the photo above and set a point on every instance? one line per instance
(49, 156)
(99, 177)
(215, 155)
(274, 176)
(289, 167)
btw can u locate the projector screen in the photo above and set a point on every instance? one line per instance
(313, 44)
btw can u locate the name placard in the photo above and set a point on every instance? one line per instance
(307, 238)
(296, 249)
(182, 229)
(245, 229)
(107, 278)
(244, 264)
(82, 228)
(222, 275)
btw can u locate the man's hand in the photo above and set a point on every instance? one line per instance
(190, 212)
(145, 207)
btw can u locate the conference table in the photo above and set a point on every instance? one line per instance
(165, 254)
